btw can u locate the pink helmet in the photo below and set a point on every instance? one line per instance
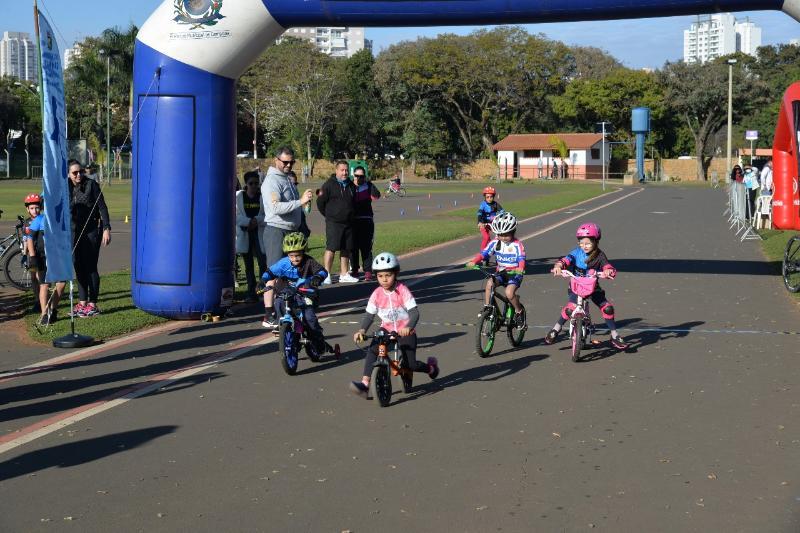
(590, 229)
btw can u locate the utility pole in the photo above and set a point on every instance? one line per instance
(730, 62)
(603, 129)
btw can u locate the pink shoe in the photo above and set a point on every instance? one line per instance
(78, 310)
(367, 276)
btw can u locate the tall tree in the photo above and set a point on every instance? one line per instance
(698, 93)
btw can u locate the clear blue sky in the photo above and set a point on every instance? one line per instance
(637, 43)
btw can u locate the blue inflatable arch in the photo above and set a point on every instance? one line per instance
(188, 56)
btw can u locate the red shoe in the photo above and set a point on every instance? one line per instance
(367, 276)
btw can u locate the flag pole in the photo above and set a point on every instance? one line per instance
(72, 340)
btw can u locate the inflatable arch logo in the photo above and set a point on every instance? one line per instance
(188, 56)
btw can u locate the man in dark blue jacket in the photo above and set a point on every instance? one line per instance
(336, 202)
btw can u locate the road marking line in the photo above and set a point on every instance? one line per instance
(45, 427)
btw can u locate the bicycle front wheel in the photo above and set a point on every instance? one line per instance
(382, 380)
(791, 265)
(577, 336)
(16, 270)
(287, 347)
(484, 339)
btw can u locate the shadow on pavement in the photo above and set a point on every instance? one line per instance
(489, 372)
(80, 452)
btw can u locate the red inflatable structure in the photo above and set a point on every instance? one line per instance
(786, 164)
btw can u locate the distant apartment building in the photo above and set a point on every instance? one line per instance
(18, 57)
(335, 41)
(713, 36)
(70, 54)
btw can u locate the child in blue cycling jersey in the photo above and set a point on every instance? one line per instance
(588, 258)
(297, 265)
(488, 209)
(33, 241)
(509, 253)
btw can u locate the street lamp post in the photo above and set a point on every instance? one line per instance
(254, 112)
(108, 55)
(730, 62)
(603, 130)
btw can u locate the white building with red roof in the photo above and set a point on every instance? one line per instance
(532, 155)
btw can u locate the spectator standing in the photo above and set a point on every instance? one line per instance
(564, 169)
(554, 173)
(336, 202)
(736, 174)
(364, 225)
(766, 178)
(540, 165)
(249, 226)
(750, 181)
(91, 228)
(282, 205)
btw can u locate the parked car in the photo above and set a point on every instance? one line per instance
(244, 155)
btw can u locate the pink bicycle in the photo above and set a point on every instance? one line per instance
(580, 322)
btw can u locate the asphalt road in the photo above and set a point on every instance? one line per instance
(198, 428)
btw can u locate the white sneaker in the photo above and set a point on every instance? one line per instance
(327, 281)
(347, 278)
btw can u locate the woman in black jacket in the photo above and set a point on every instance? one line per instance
(91, 227)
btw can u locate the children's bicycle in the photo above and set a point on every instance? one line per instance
(293, 330)
(396, 189)
(581, 328)
(490, 319)
(14, 258)
(391, 361)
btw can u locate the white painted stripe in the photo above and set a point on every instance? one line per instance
(60, 421)
(227, 48)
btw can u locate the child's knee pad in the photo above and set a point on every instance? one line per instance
(566, 311)
(607, 309)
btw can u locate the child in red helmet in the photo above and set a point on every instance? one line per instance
(486, 213)
(587, 258)
(33, 240)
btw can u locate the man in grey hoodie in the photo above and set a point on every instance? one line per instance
(282, 204)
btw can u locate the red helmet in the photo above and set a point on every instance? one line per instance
(489, 190)
(590, 229)
(33, 199)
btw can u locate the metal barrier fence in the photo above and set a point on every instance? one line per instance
(738, 211)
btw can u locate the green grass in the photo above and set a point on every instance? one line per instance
(773, 244)
(118, 316)
(13, 192)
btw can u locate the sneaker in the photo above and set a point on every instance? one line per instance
(270, 322)
(619, 343)
(359, 389)
(433, 368)
(347, 278)
(44, 320)
(367, 276)
(485, 311)
(550, 338)
(77, 310)
(327, 281)
(90, 310)
(519, 319)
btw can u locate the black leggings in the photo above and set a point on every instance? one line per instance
(408, 345)
(84, 259)
(363, 236)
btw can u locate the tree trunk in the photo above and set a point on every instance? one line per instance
(309, 160)
(700, 145)
(413, 166)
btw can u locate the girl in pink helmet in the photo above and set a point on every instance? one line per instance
(587, 258)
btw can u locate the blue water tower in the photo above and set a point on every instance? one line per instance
(640, 120)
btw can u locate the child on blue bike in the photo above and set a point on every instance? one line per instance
(509, 253)
(394, 304)
(300, 268)
(586, 259)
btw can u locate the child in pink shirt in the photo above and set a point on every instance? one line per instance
(394, 304)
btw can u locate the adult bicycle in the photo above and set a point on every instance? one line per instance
(391, 361)
(491, 319)
(14, 259)
(790, 269)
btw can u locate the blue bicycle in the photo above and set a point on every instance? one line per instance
(293, 331)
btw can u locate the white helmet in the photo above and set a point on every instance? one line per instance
(504, 223)
(385, 261)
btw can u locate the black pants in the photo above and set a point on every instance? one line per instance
(363, 237)
(84, 259)
(253, 252)
(408, 345)
(751, 201)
